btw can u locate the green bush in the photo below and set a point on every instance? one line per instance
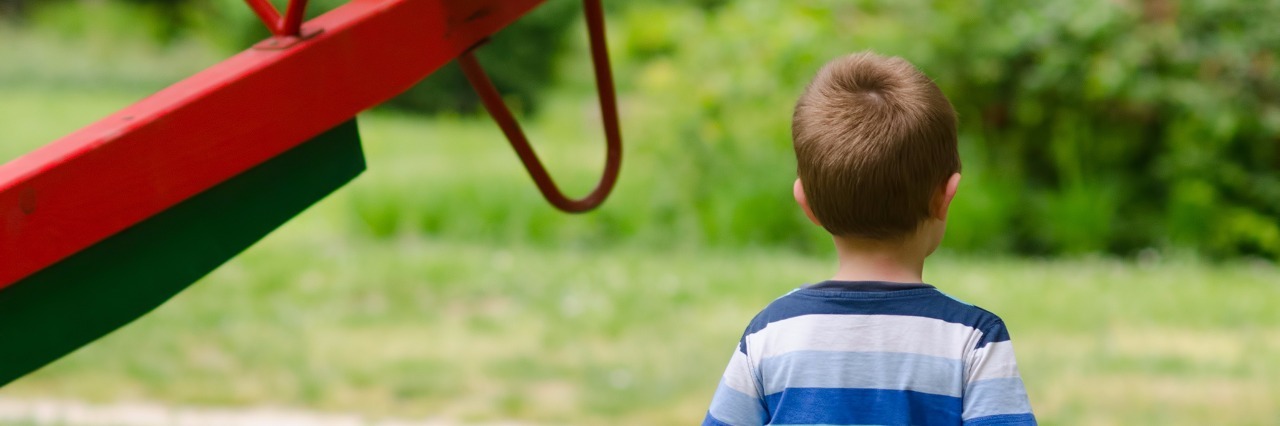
(1093, 126)
(1130, 124)
(1089, 126)
(1086, 127)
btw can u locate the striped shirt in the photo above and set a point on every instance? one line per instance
(858, 353)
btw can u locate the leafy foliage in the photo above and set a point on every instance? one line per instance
(1091, 126)
(1128, 124)
(1087, 126)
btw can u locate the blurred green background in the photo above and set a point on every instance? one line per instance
(1120, 209)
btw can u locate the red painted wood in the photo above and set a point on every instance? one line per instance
(101, 179)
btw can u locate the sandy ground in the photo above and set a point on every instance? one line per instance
(76, 413)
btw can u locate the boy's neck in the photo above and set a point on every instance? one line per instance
(870, 260)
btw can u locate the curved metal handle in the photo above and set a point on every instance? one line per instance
(608, 109)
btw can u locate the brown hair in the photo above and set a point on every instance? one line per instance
(874, 138)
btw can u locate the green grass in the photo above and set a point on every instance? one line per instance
(439, 284)
(416, 327)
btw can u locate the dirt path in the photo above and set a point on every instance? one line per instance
(75, 413)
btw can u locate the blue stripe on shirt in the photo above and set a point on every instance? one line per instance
(867, 370)
(993, 397)
(861, 406)
(733, 407)
(924, 302)
(710, 420)
(1023, 419)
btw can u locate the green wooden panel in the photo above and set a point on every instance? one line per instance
(65, 306)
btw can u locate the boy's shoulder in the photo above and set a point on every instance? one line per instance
(830, 300)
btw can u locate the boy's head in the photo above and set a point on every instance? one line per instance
(875, 143)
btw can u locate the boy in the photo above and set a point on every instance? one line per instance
(875, 143)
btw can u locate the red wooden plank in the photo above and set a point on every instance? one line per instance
(72, 193)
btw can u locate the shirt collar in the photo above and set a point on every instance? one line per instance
(865, 286)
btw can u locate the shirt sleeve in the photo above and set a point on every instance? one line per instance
(994, 393)
(737, 401)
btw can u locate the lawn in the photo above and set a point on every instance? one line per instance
(415, 327)
(397, 298)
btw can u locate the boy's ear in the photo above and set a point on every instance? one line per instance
(797, 191)
(942, 197)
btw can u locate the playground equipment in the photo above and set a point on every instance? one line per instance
(102, 226)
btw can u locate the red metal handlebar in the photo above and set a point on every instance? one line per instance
(290, 25)
(608, 109)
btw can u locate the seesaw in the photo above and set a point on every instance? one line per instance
(102, 226)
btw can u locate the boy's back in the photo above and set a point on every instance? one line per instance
(865, 352)
(877, 166)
